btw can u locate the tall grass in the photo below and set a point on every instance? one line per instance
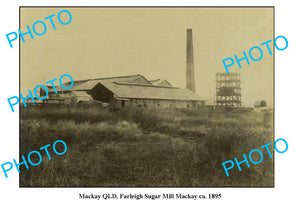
(145, 147)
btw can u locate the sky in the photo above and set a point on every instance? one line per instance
(104, 42)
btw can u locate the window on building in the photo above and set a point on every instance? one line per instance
(188, 106)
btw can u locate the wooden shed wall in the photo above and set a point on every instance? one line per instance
(118, 104)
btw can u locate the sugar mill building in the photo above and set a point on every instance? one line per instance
(130, 90)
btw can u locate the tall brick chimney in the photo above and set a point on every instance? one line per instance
(190, 75)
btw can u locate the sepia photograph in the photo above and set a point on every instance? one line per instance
(146, 96)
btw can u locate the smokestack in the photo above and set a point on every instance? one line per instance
(190, 75)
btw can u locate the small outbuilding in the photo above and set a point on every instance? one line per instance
(260, 103)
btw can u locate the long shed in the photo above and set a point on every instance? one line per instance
(135, 90)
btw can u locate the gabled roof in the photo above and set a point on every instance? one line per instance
(135, 87)
(161, 82)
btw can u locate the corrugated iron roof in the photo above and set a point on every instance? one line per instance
(91, 83)
(127, 78)
(123, 90)
(123, 87)
(81, 94)
(161, 82)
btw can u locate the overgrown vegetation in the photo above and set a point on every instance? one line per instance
(145, 147)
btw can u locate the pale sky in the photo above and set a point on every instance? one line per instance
(104, 42)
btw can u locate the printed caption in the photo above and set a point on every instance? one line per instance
(145, 196)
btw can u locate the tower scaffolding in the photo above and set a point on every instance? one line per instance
(228, 90)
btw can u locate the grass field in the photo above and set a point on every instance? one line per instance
(145, 147)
